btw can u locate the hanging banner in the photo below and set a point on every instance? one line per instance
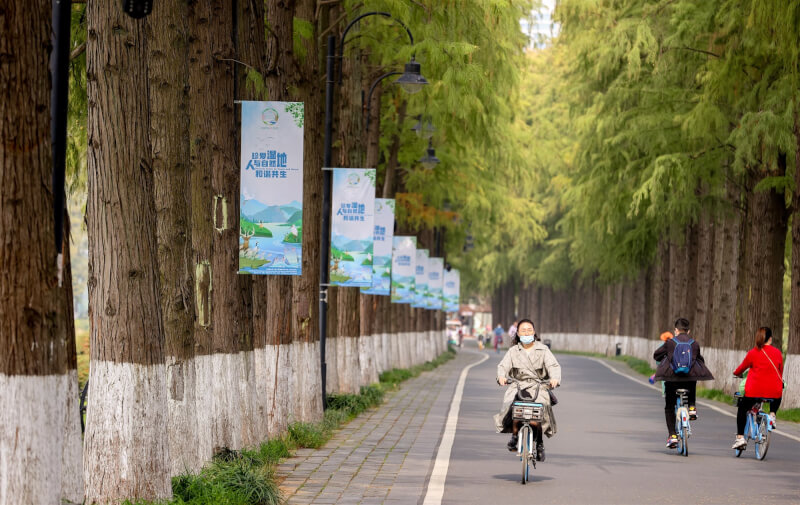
(382, 250)
(421, 280)
(352, 227)
(271, 191)
(435, 283)
(404, 259)
(452, 289)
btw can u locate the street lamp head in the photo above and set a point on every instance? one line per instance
(424, 129)
(411, 80)
(429, 161)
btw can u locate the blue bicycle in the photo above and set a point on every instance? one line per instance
(682, 426)
(758, 428)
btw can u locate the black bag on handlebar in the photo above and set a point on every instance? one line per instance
(553, 399)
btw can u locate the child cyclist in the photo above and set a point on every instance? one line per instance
(680, 367)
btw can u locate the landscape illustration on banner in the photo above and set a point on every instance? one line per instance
(435, 283)
(271, 192)
(352, 227)
(452, 290)
(404, 255)
(421, 280)
(382, 251)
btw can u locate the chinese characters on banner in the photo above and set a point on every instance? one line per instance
(271, 192)
(382, 249)
(435, 283)
(452, 289)
(352, 227)
(404, 259)
(421, 280)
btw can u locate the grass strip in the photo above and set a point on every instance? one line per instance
(247, 477)
(638, 365)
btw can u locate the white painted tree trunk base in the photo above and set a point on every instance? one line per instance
(307, 385)
(181, 383)
(332, 370)
(127, 443)
(347, 365)
(218, 403)
(72, 454)
(283, 396)
(33, 442)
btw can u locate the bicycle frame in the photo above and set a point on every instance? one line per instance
(754, 416)
(682, 425)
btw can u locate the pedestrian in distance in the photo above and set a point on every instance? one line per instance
(498, 338)
(680, 366)
(536, 370)
(764, 380)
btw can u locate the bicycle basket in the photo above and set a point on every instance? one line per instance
(527, 411)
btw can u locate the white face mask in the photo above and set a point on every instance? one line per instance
(526, 339)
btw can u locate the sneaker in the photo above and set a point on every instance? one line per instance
(739, 443)
(692, 413)
(540, 452)
(672, 442)
(772, 420)
(512, 444)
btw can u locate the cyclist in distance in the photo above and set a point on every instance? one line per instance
(764, 380)
(680, 367)
(535, 368)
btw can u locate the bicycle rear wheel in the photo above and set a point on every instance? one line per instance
(762, 442)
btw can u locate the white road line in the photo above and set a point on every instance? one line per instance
(704, 404)
(439, 473)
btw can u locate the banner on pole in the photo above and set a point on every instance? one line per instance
(435, 283)
(271, 191)
(352, 227)
(382, 249)
(452, 289)
(404, 259)
(421, 280)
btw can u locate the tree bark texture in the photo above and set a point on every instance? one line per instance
(126, 443)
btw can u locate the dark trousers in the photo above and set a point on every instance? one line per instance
(746, 403)
(670, 397)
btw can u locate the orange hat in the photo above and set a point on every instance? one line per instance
(666, 336)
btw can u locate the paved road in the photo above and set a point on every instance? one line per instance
(610, 449)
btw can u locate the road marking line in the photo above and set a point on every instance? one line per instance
(704, 404)
(435, 491)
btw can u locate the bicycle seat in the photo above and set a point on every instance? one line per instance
(682, 391)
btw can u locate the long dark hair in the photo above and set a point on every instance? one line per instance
(519, 323)
(762, 336)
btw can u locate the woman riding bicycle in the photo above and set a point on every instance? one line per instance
(765, 380)
(535, 369)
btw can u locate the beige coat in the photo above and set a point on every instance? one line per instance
(530, 369)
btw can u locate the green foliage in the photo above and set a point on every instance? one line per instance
(248, 227)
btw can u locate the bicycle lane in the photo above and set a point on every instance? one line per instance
(386, 454)
(610, 449)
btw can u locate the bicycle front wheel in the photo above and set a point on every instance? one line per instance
(762, 442)
(524, 440)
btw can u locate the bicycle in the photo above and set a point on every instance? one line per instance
(682, 425)
(530, 414)
(758, 428)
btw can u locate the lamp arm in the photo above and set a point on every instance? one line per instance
(371, 89)
(359, 18)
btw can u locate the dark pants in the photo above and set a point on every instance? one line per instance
(670, 397)
(745, 404)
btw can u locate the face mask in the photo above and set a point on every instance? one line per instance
(526, 339)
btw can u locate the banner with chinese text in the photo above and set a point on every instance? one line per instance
(452, 289)
(352, 227)
(421, 280)
(382, 250)
(404, 258)
(271, 191)
(435, 283)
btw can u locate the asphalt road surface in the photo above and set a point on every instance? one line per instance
(610, 449)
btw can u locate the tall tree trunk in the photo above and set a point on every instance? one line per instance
(390, 177)
(215, 206)
(39, 439)
(126, 444)
(169, 130)
(705, 279)
(794, 311)
(305, 289)
(761, 267)
(726, 273)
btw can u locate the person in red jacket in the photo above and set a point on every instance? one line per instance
(765, 380)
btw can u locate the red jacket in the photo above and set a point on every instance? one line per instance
(763, 380)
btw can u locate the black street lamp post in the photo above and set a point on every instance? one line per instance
(412, 81)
